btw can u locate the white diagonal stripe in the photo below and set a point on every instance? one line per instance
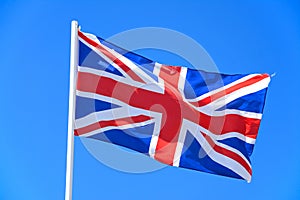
(105, 58)
(239, 93)
(210, 93)
(217, 157)
(135, 69)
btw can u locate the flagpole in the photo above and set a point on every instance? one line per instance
(70, 148)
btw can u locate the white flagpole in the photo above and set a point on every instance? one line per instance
(70, 149)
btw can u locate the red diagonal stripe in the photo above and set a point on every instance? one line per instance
(117, 122)
(114, 59)
(228, 153)
(229, 90)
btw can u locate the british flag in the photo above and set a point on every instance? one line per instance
(179, 116)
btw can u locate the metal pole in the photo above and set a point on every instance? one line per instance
(70, 149)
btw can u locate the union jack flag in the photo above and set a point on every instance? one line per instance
(179, 116)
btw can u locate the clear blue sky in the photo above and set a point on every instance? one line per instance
(240, 37)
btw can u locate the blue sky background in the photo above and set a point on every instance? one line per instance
(254, 36)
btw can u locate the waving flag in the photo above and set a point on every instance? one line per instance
(179, 116)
